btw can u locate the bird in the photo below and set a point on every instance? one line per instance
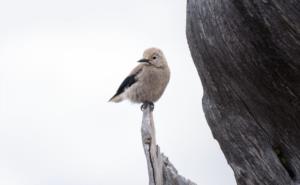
(147, 81)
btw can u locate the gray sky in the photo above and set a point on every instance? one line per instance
(61, 60)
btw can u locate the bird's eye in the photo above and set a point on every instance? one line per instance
(154, 57)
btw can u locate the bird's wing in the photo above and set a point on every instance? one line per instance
(127, 82)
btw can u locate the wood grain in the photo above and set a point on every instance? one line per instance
(247, 55)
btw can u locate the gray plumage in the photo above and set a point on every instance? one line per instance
(147, 81)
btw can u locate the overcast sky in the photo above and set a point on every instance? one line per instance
(61, 60)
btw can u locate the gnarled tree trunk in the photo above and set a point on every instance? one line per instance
(247, 54)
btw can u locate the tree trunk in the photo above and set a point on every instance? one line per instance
(247, 54)
(160, 169)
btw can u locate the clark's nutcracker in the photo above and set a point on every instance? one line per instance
(147, 81)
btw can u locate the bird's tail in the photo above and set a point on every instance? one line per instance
(116, 98)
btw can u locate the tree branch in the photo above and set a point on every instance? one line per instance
(160, 169)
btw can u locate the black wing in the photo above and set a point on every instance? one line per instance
(125, 84)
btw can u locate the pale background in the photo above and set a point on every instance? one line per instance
(61, 60)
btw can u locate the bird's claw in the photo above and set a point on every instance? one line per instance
(146, 104)
(151, 106)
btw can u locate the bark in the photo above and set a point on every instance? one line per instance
(160, 169)
(247, 55)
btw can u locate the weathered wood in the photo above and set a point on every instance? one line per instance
(247, 54)
(160, 169)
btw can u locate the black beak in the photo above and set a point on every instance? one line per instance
(144, 61)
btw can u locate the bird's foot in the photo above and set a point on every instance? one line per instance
(146, 104)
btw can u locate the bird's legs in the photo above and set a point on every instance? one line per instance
(146, 104)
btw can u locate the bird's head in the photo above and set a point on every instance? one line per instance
(154, 57)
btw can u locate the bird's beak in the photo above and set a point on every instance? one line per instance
(144, 61)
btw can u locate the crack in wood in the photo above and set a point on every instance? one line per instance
(284, 161)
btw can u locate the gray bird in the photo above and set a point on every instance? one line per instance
(147, 81)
